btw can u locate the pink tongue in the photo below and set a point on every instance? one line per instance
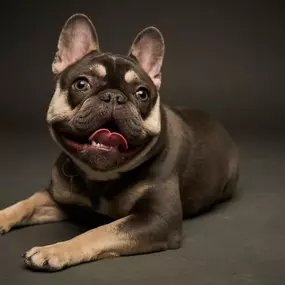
(104, 136)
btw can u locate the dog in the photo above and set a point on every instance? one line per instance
(123, 153)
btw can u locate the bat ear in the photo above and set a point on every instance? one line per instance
(148, 48)
(77, 38)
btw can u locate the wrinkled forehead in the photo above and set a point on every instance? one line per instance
(107, 67)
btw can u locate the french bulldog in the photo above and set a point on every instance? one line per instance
(123, 154)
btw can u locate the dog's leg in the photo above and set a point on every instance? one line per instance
(38, 209)
(151, 226)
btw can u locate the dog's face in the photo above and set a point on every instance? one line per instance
(106, 108)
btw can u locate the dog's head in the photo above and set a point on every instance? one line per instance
(105, 111)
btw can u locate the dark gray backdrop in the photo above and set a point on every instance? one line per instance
(223, 56)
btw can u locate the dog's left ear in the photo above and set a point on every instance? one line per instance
(77, 38)
(148, 48)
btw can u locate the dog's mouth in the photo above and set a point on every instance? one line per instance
(107, 138)
(104, 148)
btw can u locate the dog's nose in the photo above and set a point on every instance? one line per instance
(120, 99)
(115, 97)
(105, 97)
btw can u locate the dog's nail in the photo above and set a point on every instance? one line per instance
(28, 258)
(46, 264)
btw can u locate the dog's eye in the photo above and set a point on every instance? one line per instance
(81, 84)
(142, 93)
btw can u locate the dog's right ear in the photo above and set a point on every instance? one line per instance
(78, 37)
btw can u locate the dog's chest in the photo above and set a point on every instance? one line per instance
(115, 198)
(87, 196)
(100, 196)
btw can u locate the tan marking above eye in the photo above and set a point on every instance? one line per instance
(130, 76)
(99, 70)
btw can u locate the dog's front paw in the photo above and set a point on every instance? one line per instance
(5, 224)
(48, 258)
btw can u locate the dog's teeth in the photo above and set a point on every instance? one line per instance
(100, 145)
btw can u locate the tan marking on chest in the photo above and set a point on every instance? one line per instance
(105, 208)
(122, 204)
